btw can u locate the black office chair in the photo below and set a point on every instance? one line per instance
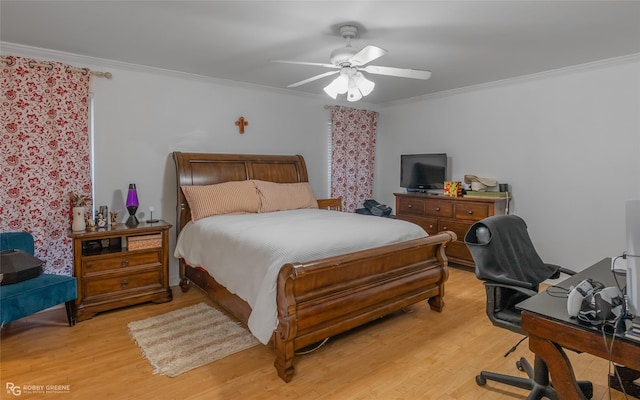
(512, 271)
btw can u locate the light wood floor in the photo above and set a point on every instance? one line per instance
(419, 354)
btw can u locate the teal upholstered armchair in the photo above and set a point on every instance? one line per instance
(24, 298)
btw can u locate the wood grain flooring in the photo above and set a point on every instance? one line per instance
(416, 354)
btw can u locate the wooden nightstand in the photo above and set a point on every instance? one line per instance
(120, 266)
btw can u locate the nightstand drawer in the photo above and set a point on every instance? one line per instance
(117, 283)
(472, 211)
(119, 261)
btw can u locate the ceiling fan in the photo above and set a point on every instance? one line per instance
(349, 63)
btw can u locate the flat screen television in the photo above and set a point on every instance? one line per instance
(423, 172)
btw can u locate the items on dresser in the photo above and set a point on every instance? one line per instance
(453, 188)
(443, 213)
(120, 266)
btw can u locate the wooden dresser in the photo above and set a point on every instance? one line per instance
(437, 213)
(120, 266)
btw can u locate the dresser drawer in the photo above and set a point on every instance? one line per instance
(438, 208)
(459, 228)
(472, 211)
(120, 260)
(410, 206)
(458, 251)
(428, 224)
(120, 282)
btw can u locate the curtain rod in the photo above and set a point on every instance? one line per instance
(328, 107)
(49, 66)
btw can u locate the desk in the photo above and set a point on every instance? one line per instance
(551, 329)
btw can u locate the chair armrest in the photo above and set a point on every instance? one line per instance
(566, 271)
(560, 270)
(330, 204)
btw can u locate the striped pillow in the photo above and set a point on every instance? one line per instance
(285, 196)
(222, 198)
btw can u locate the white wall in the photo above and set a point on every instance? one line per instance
(567, 142)
(142, 117)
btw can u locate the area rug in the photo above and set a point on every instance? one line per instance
(184, 339)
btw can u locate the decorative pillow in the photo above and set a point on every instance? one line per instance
(285, 196)
(222, 198)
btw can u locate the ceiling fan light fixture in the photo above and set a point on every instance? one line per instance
(353, 94)
(365, 85)
(340, 85)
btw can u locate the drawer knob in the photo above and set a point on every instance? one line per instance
(431, 226)
(124, 283)
(469, 212)
(409, 206)
(444, 228)
(124, 262)
(437, 208)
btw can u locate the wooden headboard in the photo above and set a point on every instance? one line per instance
(208, 169)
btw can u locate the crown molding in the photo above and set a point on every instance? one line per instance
(81, 61)
(94, 63)
(630, 58)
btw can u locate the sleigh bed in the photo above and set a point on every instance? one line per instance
(326, 296)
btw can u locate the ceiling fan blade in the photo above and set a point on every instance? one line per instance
(313, 78)
(401, 72)
(306, 63)
(366, 55)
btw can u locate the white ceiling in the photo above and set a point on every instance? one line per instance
(463, 43)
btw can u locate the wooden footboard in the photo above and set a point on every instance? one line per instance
(323, 298)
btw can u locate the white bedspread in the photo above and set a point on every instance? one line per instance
(245, 252)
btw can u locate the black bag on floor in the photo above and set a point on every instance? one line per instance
(377, 209)
(17, 266)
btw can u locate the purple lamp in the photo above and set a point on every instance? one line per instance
(132, 205)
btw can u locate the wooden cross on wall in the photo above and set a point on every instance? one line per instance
(241, 123)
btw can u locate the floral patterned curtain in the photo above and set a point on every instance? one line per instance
(44, 153)
(353, 143)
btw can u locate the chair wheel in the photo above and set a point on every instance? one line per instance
(480, 380)
(519, 366)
